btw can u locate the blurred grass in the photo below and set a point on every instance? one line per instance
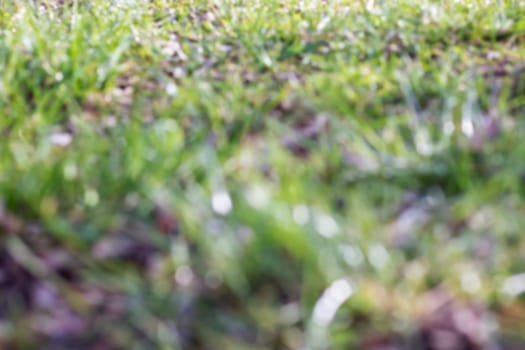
(278, 174)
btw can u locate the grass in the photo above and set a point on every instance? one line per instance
(231, 174)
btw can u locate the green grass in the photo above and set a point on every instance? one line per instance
(232, 174)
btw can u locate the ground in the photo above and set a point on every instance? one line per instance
(246, 174)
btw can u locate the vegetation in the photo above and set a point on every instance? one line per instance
(277, 174)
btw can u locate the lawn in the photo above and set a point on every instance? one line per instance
(262, 174)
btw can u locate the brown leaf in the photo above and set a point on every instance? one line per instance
(307, 129)
(165, 221)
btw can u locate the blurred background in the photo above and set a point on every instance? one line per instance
(262, 175)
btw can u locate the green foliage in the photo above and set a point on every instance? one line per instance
(216, 174)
